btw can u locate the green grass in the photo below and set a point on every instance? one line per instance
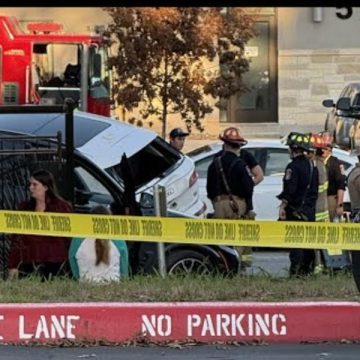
(153, 288)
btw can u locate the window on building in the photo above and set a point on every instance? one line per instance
(260, 103)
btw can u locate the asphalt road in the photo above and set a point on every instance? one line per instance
(208, 352)
(274, 263)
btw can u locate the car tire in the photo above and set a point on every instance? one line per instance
(185, 262)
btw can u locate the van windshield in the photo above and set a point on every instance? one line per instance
(152, 161)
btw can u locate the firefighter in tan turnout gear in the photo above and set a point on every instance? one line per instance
(317, 145)
(257, 175)
(229, 183)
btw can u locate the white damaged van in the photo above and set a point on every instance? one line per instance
(104, 140)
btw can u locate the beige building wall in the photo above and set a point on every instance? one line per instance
(210, 123)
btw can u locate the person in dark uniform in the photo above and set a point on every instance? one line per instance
(298, 198)
(228, 192)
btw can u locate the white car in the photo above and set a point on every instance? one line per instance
(273, 156)
(104, 140)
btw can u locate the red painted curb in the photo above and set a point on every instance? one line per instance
(203, 322)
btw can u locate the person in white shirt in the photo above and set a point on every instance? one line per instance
(98, 260)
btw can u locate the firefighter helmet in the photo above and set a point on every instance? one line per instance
(317, 142)
(232, 135)
(297, 140)
(327, 138)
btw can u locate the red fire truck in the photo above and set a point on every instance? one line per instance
(43, 65)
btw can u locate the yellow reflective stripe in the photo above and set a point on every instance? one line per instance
(324, 186)
(318, 269)
(246, 257)
(322, 216)
(333, 252)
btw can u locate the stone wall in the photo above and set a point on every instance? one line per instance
(306, 78)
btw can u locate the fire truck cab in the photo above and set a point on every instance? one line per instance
(43, 65)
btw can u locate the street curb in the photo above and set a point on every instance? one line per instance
(199, 321)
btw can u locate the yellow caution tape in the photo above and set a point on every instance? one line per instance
(285, 234)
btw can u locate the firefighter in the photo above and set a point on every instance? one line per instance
(257, 175)
(315, 153)
(317, 145)
(336, 178)
(298, 197)
(229, 183)
(353, 182)
(354, 191)
(338, 260)
(177, 138)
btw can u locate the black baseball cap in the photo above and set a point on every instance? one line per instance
(177, 132)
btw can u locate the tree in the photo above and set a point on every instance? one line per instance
(162, 55)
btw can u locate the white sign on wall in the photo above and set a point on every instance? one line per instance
(251, 51)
